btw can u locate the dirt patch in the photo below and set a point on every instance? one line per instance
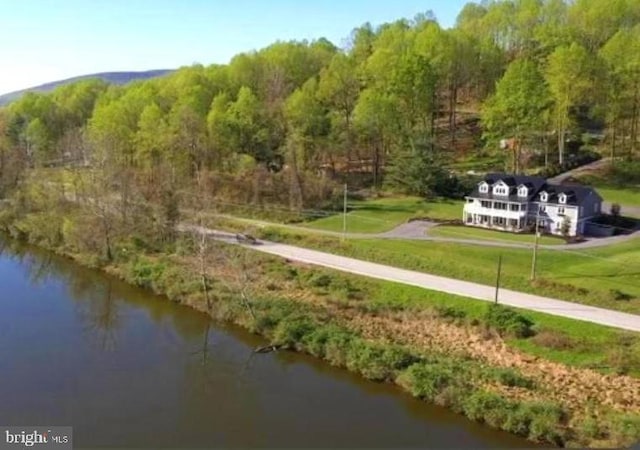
(576, 388)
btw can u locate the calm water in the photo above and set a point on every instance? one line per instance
(126, 368)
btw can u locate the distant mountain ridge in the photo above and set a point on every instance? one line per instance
(109, 77)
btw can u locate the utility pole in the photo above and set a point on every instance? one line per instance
(344, 214)
(534, 259)
(498, 277)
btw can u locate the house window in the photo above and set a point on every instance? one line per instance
(514, 207)
(544, 197)
(560, 209)
(522, 192)
(563, 198)
(543, 208)
(484, 187)
(469, 200)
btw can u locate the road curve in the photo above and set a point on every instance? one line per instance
(615, 319)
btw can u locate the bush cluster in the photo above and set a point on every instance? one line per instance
(508, 321)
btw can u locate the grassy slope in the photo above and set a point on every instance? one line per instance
(378, 216)
(612, 189)
(584, 344)
(489, 235)
(586, 276)
(563, 274)
(624, 196)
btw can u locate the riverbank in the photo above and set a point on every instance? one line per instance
(433, 353)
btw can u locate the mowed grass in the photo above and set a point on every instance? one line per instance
(613, 189)
(595, 277)
(623, 196)
(384, 214)
(607, 277)
(462, 232)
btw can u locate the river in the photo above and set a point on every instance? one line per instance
(126, 368)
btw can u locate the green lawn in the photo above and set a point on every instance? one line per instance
(462, 232)
(608, 277)
(380, 215)
(623, 196)
(613, 190)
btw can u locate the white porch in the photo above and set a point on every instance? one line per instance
(498, 222)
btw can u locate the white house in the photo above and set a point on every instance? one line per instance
(514, 203)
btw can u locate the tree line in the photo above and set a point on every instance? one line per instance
(283, 124)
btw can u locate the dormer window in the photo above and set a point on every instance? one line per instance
(544, 197)
(523, 191)
(501, 189)
(562, 198)
(484, 187)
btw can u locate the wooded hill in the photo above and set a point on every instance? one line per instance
(109, 77)
(284, 124)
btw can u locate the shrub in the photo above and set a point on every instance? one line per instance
(345, 288)
(624, 360)
(487, 407)
(336, 346)
(510, 377)
(453, 397)
(377, 362)
(546, 422)
(145, 273)
(507, 321)
(320, 280)
(450, 312)
(554, 339)
(291, 331)
(618, 295)
(624, 429)
(427, 380)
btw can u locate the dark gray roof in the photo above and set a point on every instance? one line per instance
(575, 194)
(513, 181)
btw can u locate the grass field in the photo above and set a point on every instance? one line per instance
(623, 196)
(608, 277)
(461, 232)
(596, 277)
(613, 188)
(380, 215)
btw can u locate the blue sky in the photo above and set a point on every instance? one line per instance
(47, 40)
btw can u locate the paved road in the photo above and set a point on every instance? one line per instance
(596, 165)
(476, 291)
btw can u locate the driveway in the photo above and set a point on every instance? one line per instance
(418, 230)
(475, 291)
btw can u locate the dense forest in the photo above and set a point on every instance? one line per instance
(401, 106)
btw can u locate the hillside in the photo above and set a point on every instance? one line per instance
(109, 77)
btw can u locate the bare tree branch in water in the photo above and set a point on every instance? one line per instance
(101, 318)
(40, 269)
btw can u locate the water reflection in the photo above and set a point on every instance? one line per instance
(130, 369)
(101, 318)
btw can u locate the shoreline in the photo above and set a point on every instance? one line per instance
(508, 399)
